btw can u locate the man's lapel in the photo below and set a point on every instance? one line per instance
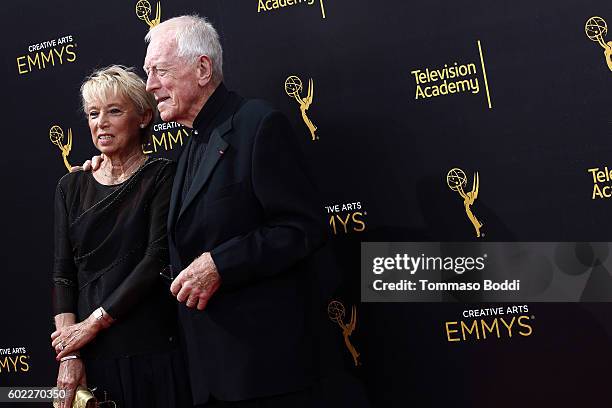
(214, 151)
(177, 186)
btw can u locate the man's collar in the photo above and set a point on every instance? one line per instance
(211, 107)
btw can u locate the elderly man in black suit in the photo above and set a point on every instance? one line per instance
(243, 221)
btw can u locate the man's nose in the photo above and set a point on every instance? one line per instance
(152, 82)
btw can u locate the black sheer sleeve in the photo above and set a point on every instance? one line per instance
(141, 280)
(65, 289)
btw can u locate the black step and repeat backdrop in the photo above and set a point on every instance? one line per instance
(421, 121)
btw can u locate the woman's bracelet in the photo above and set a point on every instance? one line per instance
(102, 317)
(66, 358)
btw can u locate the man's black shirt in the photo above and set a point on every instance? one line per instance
(203, 125)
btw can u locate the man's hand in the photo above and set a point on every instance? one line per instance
(608, 54)
(93, 164)
(197, 283)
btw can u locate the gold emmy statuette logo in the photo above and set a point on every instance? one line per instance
(596, 29)
(56, 135)
(336, 312)
(143, 11)
(293, 87)
(457, 180)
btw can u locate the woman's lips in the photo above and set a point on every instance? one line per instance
(105, 139)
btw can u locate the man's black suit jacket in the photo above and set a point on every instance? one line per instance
(253, 207)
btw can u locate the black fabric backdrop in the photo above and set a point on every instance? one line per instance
(377, 146)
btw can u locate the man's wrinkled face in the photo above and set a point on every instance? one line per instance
(172, 80)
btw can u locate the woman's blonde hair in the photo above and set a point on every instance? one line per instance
(120, 80)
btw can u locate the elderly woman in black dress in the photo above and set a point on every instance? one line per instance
(116, 328)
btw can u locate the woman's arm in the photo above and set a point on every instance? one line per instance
(71, 372)
(65, 290)
(69, 337)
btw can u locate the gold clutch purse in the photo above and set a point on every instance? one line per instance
(83, 398)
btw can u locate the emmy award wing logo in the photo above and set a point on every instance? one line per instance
(457, 181)
(56, 135)
(336, 312)
(596, 29)
(293, 87)
(143, 11)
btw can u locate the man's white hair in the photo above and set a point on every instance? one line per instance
(195, 36)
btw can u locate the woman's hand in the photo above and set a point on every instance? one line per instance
(68, 339)
(71, 374)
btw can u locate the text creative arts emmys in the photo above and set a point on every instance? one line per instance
(46, 54)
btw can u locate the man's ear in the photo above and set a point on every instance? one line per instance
(205, 70)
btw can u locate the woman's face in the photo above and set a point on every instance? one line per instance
(115, 125)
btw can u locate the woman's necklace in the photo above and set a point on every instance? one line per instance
(132, 164)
